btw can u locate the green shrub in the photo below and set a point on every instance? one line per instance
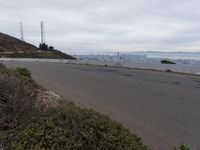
(23, 72)
(17, 101)
(71, 127)
(182, 147)
(167, 62)
(18, 92)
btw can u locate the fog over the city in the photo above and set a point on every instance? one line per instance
(78, 26)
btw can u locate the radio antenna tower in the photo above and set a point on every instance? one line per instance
(21, 31)
(42, 33)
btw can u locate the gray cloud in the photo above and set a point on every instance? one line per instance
(106, 25)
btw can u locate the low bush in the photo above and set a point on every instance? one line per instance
(182, 147)
(19, 72)
(167, 62)
(23, 72)
(17, 101)
(71, 127)
(168, 70)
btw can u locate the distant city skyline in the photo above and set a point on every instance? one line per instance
(85, 26)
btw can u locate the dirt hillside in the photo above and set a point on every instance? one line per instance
(11, 44)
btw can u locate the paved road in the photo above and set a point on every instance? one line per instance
(162, 108)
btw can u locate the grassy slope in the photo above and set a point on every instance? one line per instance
(11, 44)
(43, 54)
(16, 48)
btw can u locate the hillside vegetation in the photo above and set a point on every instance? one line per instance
(31, 120)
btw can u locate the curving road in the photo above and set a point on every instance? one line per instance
(162, 108)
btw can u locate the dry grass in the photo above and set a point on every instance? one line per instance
(17, 102)
(11, 44)
(43, 54)
(11, 47)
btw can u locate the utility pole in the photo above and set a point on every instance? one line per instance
(42, 33)
(21, 31)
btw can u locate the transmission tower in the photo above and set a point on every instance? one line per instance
(21, 31)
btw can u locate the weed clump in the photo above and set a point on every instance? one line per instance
(23, 72)
(17, 102)
(19, 72)
(182, 147)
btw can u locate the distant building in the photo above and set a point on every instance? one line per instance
(43, 46)
(51, 48)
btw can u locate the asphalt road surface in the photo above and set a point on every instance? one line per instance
(161, 108)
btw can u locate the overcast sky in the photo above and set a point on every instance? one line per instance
(78, 26)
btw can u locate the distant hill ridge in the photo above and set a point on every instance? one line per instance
(12, 44)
